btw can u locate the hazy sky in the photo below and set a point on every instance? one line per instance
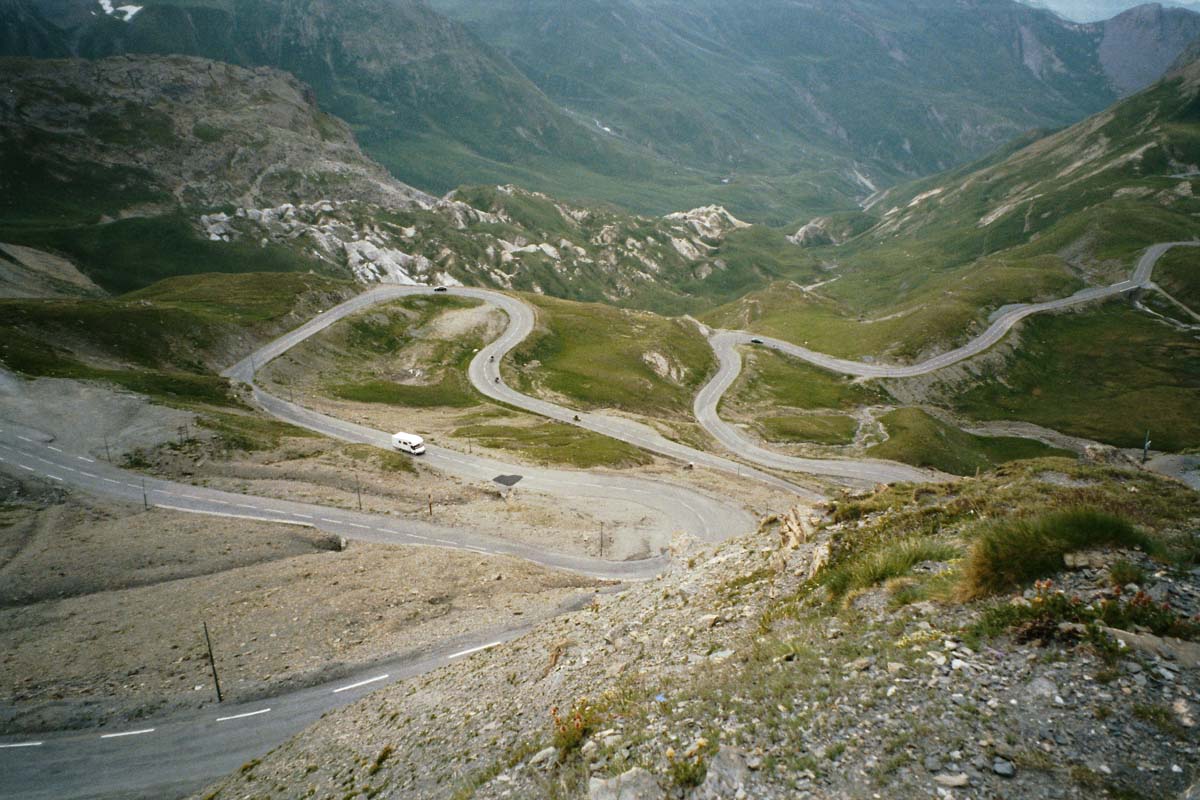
(1091, 10)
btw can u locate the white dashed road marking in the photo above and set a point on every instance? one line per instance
(127, 733)
(376, 679)
(468, 652)
(55, 449)
(21, 744)
(243, 716)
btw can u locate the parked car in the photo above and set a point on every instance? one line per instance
(440, 289)
(756, 340)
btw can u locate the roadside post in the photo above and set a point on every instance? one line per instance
(212, 662)
(1146, 448)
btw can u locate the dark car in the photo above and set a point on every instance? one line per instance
(756, 340)
(440, 289)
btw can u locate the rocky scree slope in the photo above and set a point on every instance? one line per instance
(510, 238)
(745, 672)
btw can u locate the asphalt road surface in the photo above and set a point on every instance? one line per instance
(174, 755)
(171, 756)
(725, 344)
(1000, 326)
(483, 372)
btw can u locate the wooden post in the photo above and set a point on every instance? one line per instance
(212, 662)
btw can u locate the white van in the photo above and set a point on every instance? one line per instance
(409, 443)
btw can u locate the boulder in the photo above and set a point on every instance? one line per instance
(726, 778)
(636, 784)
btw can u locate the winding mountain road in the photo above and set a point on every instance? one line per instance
(1000, 326)
(710, 520)
(725, 344)
(167, 756)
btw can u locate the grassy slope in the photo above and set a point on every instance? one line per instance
(770, 377)
(1109, 374)
(829, 429)
(131, 254)
(1019, 226)
(1178, 272)
(918, 439)
(365, 344)
(593, 355)
(380, 335)
(164, 341)
(556, 443)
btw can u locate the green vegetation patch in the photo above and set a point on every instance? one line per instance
(1108, 374)
(133, 253)
(828, 429)
(161, 341)
(914, 437)
(557, 443)
(34, 357)
(771, 377)
(1178, 272)
(452, 391)
(1013, 525)
(1044, 617)
(603, 357)
(892, 560)
(246, 298)
(1008, 553)
(384, 333)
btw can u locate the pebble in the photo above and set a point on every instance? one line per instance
(1004, 768)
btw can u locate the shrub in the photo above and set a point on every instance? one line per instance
(1012, 552)
(571, 730)
(1042, 616)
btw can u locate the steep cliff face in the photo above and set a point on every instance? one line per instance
(1139, 45)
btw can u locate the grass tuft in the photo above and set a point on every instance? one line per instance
(892, 560)
(1013, 552)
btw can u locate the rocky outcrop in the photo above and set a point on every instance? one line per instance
(710, 222)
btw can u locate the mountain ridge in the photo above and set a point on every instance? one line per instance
(782, 133)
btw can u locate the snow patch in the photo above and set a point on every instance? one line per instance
(123, 13)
